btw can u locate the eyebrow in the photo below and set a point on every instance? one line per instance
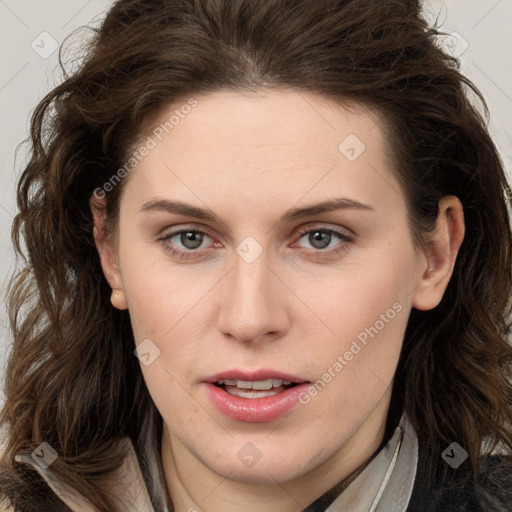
(180, 208)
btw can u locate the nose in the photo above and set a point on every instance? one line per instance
(253, 304)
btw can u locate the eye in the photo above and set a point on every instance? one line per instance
(185, 242)
(324, 240)
(190, 239)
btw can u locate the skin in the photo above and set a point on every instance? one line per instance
(249, 158)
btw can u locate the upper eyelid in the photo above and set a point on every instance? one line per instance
(299, 230)
(342, 231)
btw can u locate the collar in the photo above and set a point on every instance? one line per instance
(128, 486)
(385, 485)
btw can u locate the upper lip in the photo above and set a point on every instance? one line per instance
(251, 376)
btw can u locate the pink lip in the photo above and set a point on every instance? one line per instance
(254, 410)
(252, 376)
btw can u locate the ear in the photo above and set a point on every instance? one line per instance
(441, 253)
(107, 252)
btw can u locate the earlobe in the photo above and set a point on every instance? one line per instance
(118, 299)
(441, 254)
(107, 252)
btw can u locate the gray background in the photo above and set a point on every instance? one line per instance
(28, 72)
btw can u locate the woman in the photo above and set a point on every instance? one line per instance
(268, 268)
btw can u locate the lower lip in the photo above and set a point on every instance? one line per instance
(255, 410)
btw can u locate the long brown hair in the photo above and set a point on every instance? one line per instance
(72, 379)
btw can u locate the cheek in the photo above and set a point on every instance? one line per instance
(180, 411)
(161, 294)
(165, 304)
(364, 310)
(360, 295)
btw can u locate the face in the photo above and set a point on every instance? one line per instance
(264, 242)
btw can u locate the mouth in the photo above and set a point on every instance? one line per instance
(255, 397)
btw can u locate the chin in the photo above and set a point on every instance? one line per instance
(267, 470)
(266, 474)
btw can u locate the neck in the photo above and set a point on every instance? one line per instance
(195, 487)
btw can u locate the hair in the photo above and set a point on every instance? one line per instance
(72, 379)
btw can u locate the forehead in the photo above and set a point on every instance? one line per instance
(257, 120)
(237, 146)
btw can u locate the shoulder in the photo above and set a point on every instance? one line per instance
(495, 481)
(458, 492)
(5, 506)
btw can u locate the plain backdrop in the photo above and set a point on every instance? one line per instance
(30, 32)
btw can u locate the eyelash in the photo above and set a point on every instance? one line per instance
(323, 253)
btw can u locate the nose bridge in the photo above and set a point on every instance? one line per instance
(251, 308)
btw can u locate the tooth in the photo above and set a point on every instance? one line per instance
(264, 384)
(243, 384)
(258, 384)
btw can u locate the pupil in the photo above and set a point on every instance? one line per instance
(319, 240)
(191, 240)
